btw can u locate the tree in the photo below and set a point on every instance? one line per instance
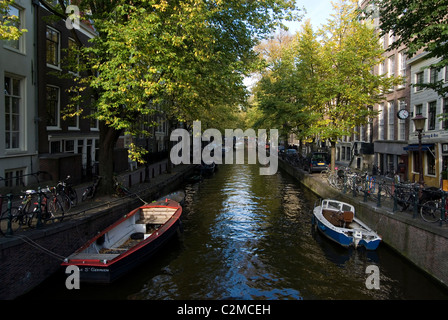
(187, 57)
(277, 90)
(344, 84)
(324, 81)
(420, 26)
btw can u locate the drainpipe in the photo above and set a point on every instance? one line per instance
(35, 80)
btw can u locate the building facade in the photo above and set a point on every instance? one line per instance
(18, 107)
(429, 104)
(378, 146)
(67, 145)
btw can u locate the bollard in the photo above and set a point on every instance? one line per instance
(378, 203)
(9, 231)
(39, 208)
(442, 209)
(365, 190)
(354, 186)
(395, 200)
(344, 188)
(415, 201)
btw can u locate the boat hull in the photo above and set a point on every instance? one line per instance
(353, 234)
(344, 240)
(96, 266)
(113, 271)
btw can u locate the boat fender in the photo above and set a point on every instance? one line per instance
(137, 236)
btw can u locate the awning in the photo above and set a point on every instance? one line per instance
(414, 147)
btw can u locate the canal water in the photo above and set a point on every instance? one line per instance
(248, 236)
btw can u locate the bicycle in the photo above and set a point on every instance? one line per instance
(29, 210)
(120, 189)
(431, 210)
(65, 189)
(10, 211)
(90, 191)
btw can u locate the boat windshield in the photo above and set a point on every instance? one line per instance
(336, 205)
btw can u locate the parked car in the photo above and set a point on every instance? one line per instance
(317, 161)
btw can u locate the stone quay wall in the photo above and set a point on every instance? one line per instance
(29, 257)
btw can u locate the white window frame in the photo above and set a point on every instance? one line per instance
(58, 66)
(21, 41)
(21, 113)
(57, 126)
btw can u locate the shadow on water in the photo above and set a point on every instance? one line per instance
(248, 236)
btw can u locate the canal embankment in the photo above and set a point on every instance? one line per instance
(29, 257)
(422, 243)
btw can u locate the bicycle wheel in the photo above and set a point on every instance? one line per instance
(4, 221)
(430, 211)
(73, 196)
(88, 193)
(65, 202)
(56, 208)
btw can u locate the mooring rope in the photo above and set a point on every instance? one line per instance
(38, 246)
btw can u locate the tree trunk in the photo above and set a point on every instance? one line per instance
(333, 154)
(108, 139)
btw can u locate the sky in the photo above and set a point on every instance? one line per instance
(318, 11)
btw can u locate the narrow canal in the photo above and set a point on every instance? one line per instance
(248, 236)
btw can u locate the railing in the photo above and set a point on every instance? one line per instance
(430, 203)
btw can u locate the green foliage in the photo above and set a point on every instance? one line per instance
(321, 84)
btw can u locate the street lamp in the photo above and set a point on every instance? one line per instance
(419, 124)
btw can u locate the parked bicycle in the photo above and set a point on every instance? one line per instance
(120, 189)
(66, 190)
(431, 210)
(37, 207)
(90, 191)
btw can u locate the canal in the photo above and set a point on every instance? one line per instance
(248, 236)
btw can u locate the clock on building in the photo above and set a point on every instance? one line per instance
(403, 114)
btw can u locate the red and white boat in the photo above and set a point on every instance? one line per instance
(128, 242)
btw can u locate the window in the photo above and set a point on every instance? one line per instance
(73, 121)
(52, 106)
(53, 47)
(416, 163)
(14, 177)
(390, 121)
(402, 68)
(432, 115)
(15, 12)
(382, 68)
(418, 81)
(401, 123)
(391, 66)
(12, 113)
(430, 161)
(381, 122)
(433, 75)
(73, 56)
(445, 111)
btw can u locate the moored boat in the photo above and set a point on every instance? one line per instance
(178, 196)
(128, 242)
(337, 221)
